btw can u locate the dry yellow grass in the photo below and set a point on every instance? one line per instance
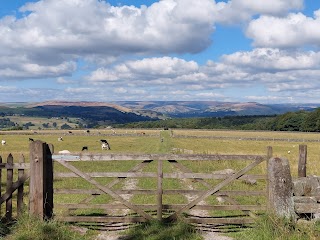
(132, 141)
(235, 144)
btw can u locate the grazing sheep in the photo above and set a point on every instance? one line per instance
(64, 152)
(103, 141)
(31, 140)
(3, 142)
(69, 132)
(220, 199)
(105, 146)
(60, 139)
(84, 148)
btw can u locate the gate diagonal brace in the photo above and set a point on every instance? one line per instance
(206, 194)
(14, 187)
(116, 181)
(105, 189)
(206, 184)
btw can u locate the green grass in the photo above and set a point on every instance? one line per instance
(29, 228)
(152, 143)
(270, 227)
(163, 231)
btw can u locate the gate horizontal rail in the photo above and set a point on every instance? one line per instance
(184, 173)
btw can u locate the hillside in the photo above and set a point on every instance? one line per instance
(185, 109)
(86, 114)
(95, 114)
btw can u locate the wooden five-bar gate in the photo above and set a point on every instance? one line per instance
(209, 187)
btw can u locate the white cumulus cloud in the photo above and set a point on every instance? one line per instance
(293, 31)
(237, 11)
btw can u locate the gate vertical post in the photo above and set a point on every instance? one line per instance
(9, 186)
(302, 167)
(41, 180)
(48, 170)
(160, 191)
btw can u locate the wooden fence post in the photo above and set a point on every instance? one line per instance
(9, 186)
(41, 180)
(20, 189)
(280, 188)
(160, 191)
(302, 167)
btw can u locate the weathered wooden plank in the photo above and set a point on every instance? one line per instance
(227, 198)
(302, 165)
(120, 157)
(37, 190)
(238, 206)
(230, 220)
(14, 187)
(176, 175)
(307, 207)
(303, 199)
(165, 206)
(20, 188)
(165, 192)
(216, 188)
(187, 170)
(105, 219)
(159, 190)
(9, 186)
(48, 182)
(118, 180)
(134, 169)
(109, 174)
(15, 166)
(105, 189)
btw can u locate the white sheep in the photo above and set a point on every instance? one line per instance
(3, 142)
(105, 146)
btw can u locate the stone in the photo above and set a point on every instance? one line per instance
(280, 188)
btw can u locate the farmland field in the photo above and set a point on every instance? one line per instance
(141, 141)
(284, 144)
(39, 122)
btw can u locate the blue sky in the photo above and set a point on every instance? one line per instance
(204, 50)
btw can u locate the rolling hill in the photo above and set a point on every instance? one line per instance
(177, 109)
(93, 114)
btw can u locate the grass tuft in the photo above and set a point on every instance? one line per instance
(275, 228)
(155, 230)
(31, 228)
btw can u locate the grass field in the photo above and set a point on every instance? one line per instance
(51, 123)
(149, 141)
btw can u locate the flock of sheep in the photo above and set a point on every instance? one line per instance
(104, 143)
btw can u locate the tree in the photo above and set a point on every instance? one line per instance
(65, 126)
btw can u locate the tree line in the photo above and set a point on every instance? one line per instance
(304, 121)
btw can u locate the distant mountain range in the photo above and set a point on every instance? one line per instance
(178, 109)
(130, 111)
